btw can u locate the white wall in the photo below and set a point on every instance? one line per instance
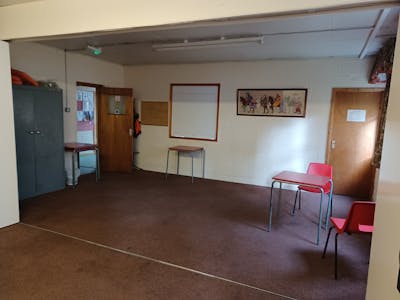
(9, 211)
(56, 17)
(384, 262)
(45, 63)
(249, 149)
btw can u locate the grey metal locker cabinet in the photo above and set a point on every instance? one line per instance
(38, 118)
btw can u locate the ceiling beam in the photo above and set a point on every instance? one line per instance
(218, 22)
(378, 24)
(14, 2)
(85, 43)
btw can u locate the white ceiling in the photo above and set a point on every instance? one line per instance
(351, 33)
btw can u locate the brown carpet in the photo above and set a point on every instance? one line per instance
(41, 265)
(210, 226)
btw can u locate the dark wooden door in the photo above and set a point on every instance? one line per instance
(352, 134)
(115, 133)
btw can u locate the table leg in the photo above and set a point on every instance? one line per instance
(204, 158)
(192, 167)
(73, 168)
(295, 200)
(97, 165)
(320, 215)
(329, 209)
(166, 169)
(270, 208)
(280, 197)
(177, 165)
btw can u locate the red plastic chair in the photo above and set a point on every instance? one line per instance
(316, 169)
(360, 219)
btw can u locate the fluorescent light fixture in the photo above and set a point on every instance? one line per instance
(94, 50)
(205, 44)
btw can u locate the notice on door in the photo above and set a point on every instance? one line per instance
(356, 115)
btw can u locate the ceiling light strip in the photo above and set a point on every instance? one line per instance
(187, 45)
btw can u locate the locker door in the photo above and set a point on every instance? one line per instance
(49, 141)
(25, 141)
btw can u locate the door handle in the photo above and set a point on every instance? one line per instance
(130, 131)
(333, 144)
(37, 132)
(31, 132)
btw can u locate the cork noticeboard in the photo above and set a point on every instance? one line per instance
(154, 113)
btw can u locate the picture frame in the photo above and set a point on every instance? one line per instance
(272, 102)
(194, 111)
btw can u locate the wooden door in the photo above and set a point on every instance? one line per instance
(115, 129)
(351, 140)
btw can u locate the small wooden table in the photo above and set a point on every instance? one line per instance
(309, 180)
(76, 148)
(185, 149)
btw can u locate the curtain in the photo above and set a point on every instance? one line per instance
(383, 65)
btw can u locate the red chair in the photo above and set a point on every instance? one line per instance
(316, 169)
(360, 219)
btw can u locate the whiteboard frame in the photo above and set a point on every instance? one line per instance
(172, 85)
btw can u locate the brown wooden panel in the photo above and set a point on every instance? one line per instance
(351, 144)
(117, 91)
(154, 113)
(81, 83)
(115, 138)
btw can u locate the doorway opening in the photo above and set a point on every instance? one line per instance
(86, 125)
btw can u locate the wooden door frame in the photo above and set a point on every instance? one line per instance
(98, 88)
(331, 116)
(114, 91)
(333, 98)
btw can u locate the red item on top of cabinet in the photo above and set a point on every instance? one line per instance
(24, 77)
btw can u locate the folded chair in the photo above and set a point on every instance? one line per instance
(321, 170)
(360, 219)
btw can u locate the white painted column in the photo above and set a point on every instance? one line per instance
(384, 261)
(9, 210)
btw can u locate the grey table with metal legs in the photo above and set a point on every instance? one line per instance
(185, 149)
(75, 149)
(309, 180)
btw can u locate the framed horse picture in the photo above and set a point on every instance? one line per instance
(272, 102)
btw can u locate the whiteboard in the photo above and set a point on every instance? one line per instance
(194, 111)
